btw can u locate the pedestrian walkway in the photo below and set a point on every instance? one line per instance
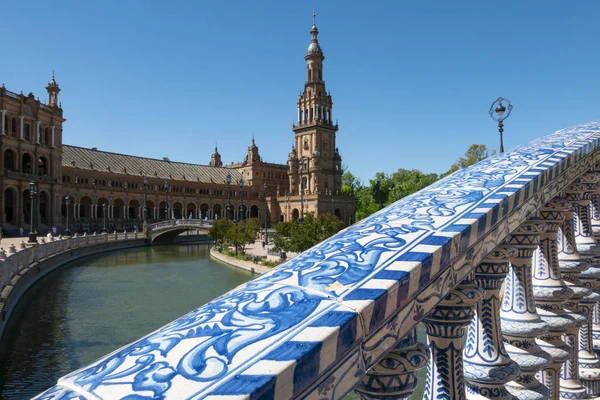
(256, 249)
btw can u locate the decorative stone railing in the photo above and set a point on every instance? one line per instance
(342, 315)
(16, 258)
(180, 222)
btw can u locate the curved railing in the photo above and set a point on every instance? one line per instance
(341, 316)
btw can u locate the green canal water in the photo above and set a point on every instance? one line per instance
(94, 306)
(90, 308)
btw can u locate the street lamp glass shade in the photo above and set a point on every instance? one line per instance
(228, 179)
(145, 180)
(500, 110)
(166, 185)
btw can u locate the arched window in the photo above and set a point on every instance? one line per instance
(14, 126)
(46, 136)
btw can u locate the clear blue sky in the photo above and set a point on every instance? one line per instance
(412, 82)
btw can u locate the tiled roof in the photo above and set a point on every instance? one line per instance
(89, 159)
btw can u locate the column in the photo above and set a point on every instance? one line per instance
(3, 122)
(21, 128)
(521, 324)
(487, 364)
(550, 293)
(395, 376)
(37, 132)
(446, 326)
(52, 135)
(299, 116)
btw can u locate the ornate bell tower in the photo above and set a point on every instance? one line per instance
(319, 169)
(53, 91)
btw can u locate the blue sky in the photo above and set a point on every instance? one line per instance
(412, 82)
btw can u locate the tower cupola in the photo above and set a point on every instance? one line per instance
(53, 91)
(215, 159)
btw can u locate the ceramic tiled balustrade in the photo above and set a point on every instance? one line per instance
(490, 252)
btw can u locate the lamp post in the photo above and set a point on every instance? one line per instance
(266, 219)
(32, 192)
(499, 113)
(104, 215)
(288, 206)
(166, 186)
(241, 216)
(228, 208)
(67, 203)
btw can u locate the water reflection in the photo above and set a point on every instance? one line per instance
(86, 310)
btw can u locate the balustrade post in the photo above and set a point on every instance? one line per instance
(571, 263)
(446, 326)
(487, 364)
(550, 293)
(580, 194)
(395, 375)
(521, 324)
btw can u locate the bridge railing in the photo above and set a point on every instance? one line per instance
(177, 222)
(342, 315)
(15, 259)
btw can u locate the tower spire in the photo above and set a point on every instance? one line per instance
(314, 18)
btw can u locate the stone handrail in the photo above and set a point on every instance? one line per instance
(341, 316)
(15, 259)
(176, 222)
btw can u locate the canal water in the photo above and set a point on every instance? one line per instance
(90, 308)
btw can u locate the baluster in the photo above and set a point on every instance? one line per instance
(487, 364)
(446, 326)
(570, 265)
(580, 194)
(595, 212)
(395, 375)
(520, 322)
(550, 293)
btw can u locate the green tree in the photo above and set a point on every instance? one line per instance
(474, 154)
(350, 184)
(301, 236)
(219, 228)
(365, 203)
(242, 233)
(406, 182)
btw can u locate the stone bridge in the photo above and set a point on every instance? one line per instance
(520, 226)
(166, 231)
